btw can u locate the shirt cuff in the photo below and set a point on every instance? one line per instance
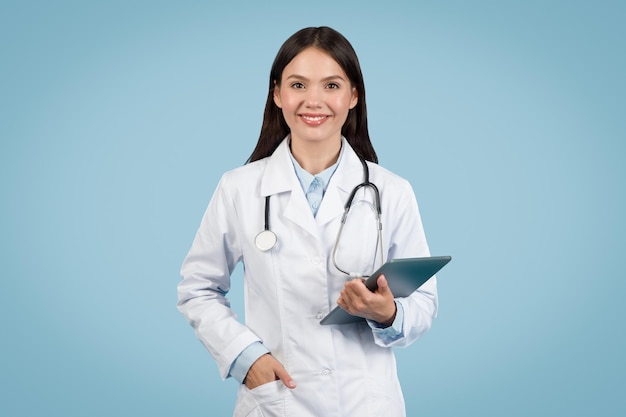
(393, 332)
(243, 362)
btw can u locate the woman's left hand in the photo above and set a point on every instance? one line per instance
(358, 300)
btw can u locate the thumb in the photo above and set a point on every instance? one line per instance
(284, 376)
(383, 285)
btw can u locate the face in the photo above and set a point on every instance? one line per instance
(315, 96)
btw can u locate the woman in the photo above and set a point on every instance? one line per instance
(310, 156)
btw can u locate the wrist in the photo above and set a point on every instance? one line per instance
(240, 367)
(390, 319)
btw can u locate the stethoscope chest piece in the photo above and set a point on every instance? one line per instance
(265, 240)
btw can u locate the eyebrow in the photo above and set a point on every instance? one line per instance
(303, 78)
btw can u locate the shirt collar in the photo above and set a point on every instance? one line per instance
(306, 178)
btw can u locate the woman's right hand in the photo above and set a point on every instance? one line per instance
(267, 369)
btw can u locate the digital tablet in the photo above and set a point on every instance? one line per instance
(404, 276)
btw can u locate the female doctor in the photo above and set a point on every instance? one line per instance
(281, 216)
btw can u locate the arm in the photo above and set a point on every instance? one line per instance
(407, 240)
(206, 281)
(405, 236)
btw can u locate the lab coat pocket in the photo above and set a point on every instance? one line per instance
(267, 400)
(380, 402)
(379, 405)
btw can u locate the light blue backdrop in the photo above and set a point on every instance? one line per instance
(118, 117)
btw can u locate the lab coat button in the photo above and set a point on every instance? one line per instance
(326, 371)
(319, 316)
(315, 260)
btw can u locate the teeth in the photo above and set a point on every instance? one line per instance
(314, 119)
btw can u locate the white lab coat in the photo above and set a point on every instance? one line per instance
(340, 370)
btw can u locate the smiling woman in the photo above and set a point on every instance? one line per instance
(313, 151)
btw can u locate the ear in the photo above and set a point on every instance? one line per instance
(355, 98)
(277, 100)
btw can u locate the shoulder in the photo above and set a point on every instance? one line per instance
(246, 174)
(382, 175)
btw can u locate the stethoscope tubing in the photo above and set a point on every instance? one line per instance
(366, 183)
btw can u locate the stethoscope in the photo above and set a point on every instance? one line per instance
(267, 239)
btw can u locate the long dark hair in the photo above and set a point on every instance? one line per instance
(274, 128)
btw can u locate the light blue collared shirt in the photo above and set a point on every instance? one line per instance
(314, 187)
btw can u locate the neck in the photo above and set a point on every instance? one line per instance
(315, 157)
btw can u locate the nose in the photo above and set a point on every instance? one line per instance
(313, 97)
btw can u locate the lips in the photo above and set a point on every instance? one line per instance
(314, 119)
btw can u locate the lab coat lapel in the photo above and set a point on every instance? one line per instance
(280, 177)
(348, 175)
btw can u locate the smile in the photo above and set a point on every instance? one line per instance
(314, 120)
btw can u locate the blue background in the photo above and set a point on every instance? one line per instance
(118, 118)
